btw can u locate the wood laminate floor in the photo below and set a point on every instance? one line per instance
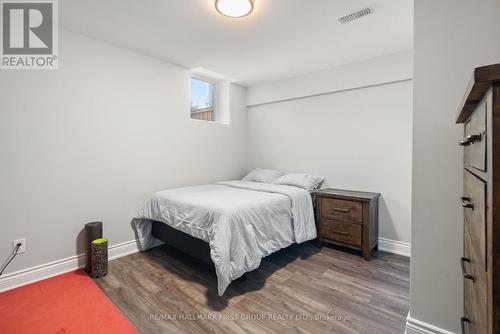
(301, 289)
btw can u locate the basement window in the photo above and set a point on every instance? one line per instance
(203, 99)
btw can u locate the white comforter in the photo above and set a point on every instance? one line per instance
(242, 221)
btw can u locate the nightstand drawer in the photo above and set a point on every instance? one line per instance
(332, 208)
(347, 218)
(346, 233)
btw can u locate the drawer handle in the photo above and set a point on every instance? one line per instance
(470, 139)
(464, 272)
(466, 203)
(342, 210)
(341, 232)
(463, 320)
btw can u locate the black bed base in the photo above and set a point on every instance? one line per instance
(197, 248)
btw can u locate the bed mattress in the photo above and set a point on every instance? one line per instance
(241, 221)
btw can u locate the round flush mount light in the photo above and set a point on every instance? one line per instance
(234, 8)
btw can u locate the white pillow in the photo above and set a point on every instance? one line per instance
(304, 181)
(263, 175)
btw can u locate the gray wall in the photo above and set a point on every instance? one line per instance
(92, 140)
(451, 38)
(358, 139)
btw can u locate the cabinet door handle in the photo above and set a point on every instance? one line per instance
(341, 210)
(466, 203)
(464, 272)
(470, 139)
(463, 320)
(463, 143)
(341, 232)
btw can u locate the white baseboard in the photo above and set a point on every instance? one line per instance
(414, 326)
(393, 246)
(37, 273)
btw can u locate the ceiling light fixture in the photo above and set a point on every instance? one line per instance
(234, 8)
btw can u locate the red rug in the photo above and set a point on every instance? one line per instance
(71, 303)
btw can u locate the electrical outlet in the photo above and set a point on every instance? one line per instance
(22, 248)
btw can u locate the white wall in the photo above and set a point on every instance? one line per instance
(391, 68)
(358, 139)
(92, 140)
(451, 38)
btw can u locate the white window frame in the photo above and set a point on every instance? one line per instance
(216, 96)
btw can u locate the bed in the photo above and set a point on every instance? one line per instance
(236, 222)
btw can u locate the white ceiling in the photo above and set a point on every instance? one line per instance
(282, 38)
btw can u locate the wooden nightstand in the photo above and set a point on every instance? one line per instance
(347, 218)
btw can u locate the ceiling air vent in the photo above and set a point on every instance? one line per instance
(355, 15)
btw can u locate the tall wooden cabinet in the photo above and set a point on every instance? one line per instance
(480, 116)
